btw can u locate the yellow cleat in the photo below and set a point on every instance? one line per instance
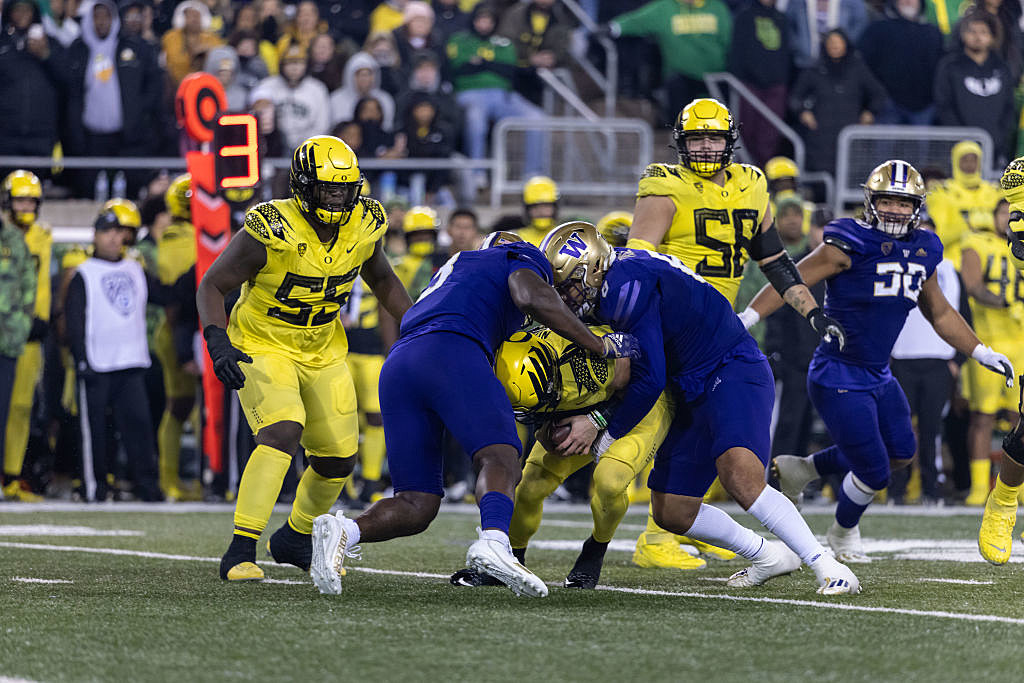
(665, 555)
(996, 534)
(245, 571)
(18, 491)
(707, 549)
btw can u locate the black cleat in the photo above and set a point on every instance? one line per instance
(473, 578)
(587, 570)
(288, 546)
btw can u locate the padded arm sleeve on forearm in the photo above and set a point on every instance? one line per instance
(765, 244)
(782, 273)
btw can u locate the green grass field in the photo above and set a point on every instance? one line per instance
(143, 602)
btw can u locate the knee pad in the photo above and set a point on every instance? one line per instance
(332, 468)
(1013, 442)
(611, 478)
(537, 483)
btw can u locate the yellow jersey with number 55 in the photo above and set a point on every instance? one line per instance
(290, 308)
(712, 224)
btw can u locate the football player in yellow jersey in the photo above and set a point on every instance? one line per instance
(540, 206)
(366, 345)
(996, 534)
(964, 202)
(284, 350)
(997, 292)
(421, 259)
(21, 195)
(713, 214)
(783, 177)
(176, 253)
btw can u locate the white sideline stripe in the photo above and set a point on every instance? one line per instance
(30, 579)
(58, 530)
(290, 582)
(615, 589)
(962, 582)
(10, 679)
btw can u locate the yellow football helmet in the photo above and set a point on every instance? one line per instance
(325, 179)
(579, 257)
(896, 179)
(179, 197)
(21, 184)
(527, 366)
(700, 117)
(128, 215)
(419, 218)
(614, 227)
(1012, 184)
(780, 167)
(541, 190)
(500, 237)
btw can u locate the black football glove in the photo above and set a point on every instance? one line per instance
(826, 327)
(225, 357)
(620, 345)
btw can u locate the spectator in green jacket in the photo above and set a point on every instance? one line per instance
(483, 70)
(694, 37)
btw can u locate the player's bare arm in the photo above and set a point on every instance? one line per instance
(540, 301)
(652, 217)
(386, 286)
(974, 281)
(954, 330)
(243, 258)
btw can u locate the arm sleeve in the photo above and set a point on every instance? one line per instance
(647, 373)
(74, 318)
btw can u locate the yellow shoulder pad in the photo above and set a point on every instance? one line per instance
(372, 210)
(658, 179)
(266, 224)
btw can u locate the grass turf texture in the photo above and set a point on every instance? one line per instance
(155, 619)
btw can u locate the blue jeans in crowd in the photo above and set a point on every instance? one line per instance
(485, 105)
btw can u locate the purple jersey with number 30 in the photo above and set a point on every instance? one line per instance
(871, 299)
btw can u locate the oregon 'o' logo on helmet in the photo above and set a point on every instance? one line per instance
(325, 179)
(702, 117)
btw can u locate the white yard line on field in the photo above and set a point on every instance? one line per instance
(59, 530)
(991, 618)
(31, 579)
(961, 582)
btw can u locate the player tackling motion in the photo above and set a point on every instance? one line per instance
(723, 393)
(876, 270)
(284, 349)
(439, 375)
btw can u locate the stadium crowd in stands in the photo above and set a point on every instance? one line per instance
(407, 78)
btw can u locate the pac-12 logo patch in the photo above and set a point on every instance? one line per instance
(574, 246)
(886, 248)
(120, 292)
(302, 248)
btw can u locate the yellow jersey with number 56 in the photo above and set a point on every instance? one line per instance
(290, 308)
(712, 224)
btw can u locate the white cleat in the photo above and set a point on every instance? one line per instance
(775, 559)
(495, 558)
(794, 473)
(834, 578)
(846, 544)
(330, 548)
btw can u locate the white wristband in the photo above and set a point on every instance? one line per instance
(749, 317)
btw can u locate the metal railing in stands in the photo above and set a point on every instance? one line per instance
(738, 91)
(608, 82)
(861, 148)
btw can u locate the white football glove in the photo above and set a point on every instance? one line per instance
(749, 317)
(994, 361)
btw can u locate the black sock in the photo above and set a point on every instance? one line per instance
(242, 546)
(520, 554)
(592, 549)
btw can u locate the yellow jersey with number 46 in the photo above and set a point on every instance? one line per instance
(712, 224)
(290, 308)
(1002, 279)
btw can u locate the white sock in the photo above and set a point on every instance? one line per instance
(717, 528)
(781, 517)
(354, 532)
(494, 535)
